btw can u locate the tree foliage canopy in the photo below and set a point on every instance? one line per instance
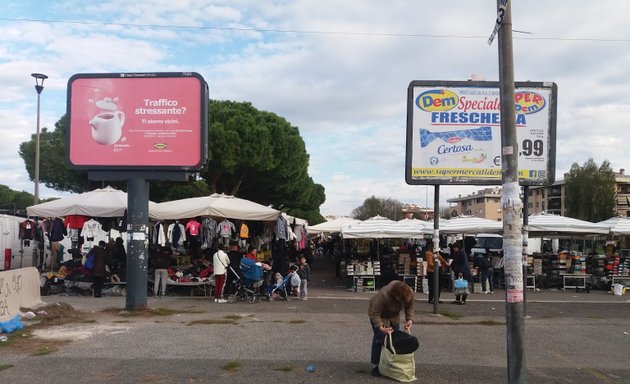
(14, 202)
(255, 155)
(373, 206)
(590, 191)
(259, 156)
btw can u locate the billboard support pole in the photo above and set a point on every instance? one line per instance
(137, 238)
(436, 249)
(511, 205)
(525, 246)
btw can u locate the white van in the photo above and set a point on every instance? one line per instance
(488, 241)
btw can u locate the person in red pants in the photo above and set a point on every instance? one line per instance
(220, 262)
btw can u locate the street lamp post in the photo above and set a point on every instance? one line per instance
(39, 87)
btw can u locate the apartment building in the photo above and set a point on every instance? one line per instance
(486, 202)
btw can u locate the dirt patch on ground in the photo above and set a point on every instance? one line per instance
(148, 312)
(56, 314)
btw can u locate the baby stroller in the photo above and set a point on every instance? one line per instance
(282, 286)
(247, 285)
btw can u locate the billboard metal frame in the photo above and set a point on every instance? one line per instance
(541, 177)
(163, 169)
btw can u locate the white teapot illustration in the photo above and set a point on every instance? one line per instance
(107, 125)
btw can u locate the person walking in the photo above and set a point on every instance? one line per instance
(384, 313)
(304, 271)
(430, 259)
(220, 262)
(460, 263)
(460, 289)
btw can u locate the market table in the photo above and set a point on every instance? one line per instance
(364, 280)
(531, 278)
(617, 279)
(411, 280)
(575, 276)
(204, 286)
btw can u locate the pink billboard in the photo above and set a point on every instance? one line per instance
(137, 121)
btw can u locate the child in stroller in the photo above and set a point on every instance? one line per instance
(283, 285)
(248, 284)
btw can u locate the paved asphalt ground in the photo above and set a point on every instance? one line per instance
(570, 338)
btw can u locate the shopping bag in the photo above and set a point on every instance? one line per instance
(399, 367)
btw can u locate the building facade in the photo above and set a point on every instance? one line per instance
(412, 211)
(485, 203)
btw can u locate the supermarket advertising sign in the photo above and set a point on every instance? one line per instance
(454, 132)
(137, 121)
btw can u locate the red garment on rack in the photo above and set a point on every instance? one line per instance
(76, 221)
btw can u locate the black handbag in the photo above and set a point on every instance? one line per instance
(404, 342)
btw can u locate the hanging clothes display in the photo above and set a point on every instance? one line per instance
(244, 231)
(226, 228)
(208, 232)
(282, 229)
(91, 230)
(193, 234)
(57, 233)
(27, 232)
(76, 221)
(176, 234)
(158, 235)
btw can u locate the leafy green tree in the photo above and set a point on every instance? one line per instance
(13, 202)
(590, 191)
(53, 169)
(259, 156)
(373, 206)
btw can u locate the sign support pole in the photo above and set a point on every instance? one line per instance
(511, 205)
(137, 237)
(525, 246)
(436, 248)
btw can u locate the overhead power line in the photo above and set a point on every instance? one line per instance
(310, 32)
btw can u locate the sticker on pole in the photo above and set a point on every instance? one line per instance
(514, 296)
(499, 22)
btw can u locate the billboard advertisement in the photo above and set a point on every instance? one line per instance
(137, 121)
(454, 132)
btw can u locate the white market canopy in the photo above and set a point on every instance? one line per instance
(470, 225)
(294, 220)
(332, 226)
(550, 223)
(619, 225)
(104, 202)
(217, 205)
(379, 227)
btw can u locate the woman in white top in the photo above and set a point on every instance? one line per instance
(220, 261)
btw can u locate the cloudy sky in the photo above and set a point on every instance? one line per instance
(338, 70)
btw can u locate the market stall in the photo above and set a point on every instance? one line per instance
(566, 268)
(369, 263)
